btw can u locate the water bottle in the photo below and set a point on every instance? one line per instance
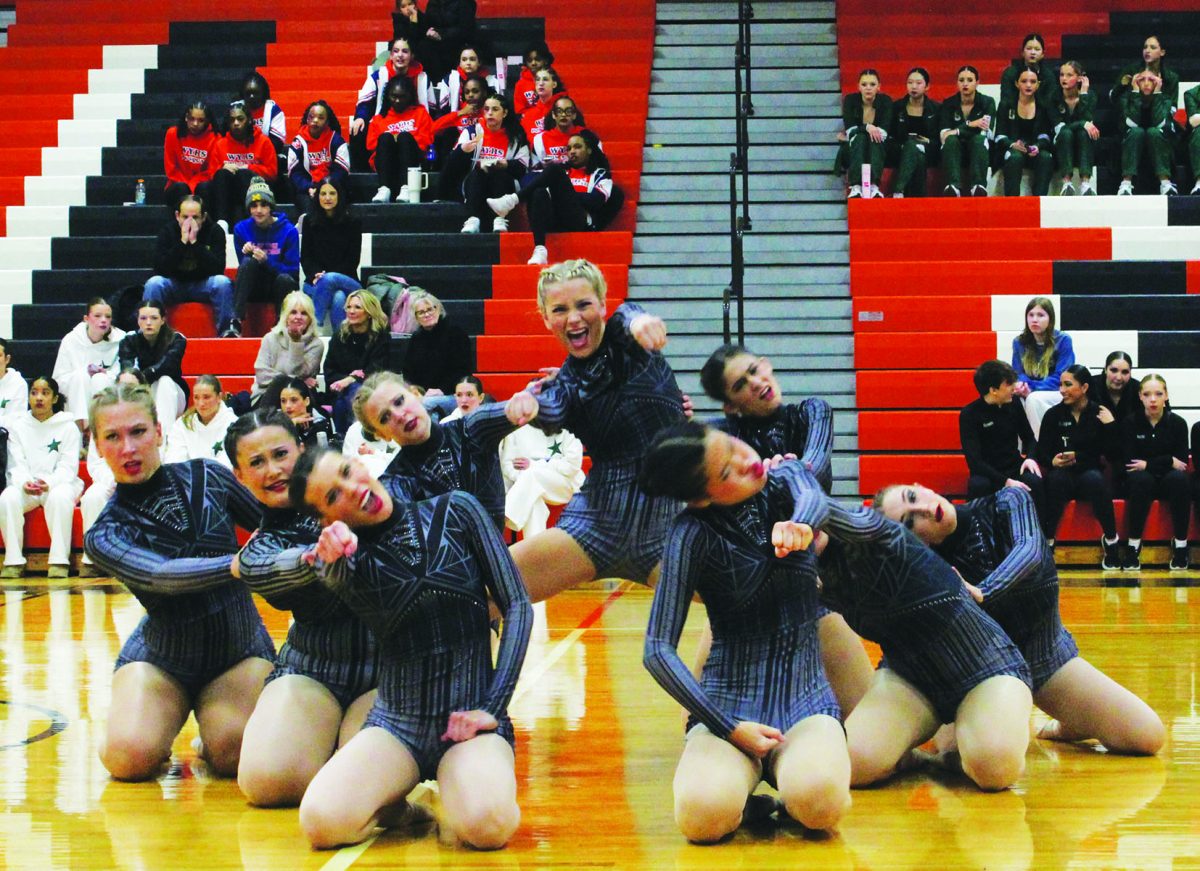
(139, 192)
(431, 154)
(866, 181)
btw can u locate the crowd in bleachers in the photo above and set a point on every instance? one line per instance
(1046, 118)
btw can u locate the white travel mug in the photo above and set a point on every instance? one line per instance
(417, 182)
(866, 181)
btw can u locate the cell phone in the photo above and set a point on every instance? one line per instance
(1070, 455)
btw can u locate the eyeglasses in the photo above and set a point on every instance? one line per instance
(566, 112)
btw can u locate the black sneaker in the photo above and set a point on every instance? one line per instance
(1179, 559)
(233, 331)
(1133, 558)
(1111, 561)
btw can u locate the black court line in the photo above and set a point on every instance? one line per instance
(57, 724)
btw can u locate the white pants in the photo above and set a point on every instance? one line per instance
(79, 387)
(525, 506)
(1036, 406)
(169, 401)
(92, 504)
(59, 505)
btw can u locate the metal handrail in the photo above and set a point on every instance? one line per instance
(739, 170)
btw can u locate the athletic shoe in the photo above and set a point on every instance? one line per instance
(1196, 189)
(855, 192)
(402, 197)
(898, 195)
(503, 205)
(499, 225)
(540, 256)
(58, 572)
(224, 225)
(470, 225)
(951, 191)
(1166, 188)
(233, 331)
(1068, 190)
(1126, 189)
(876, 193)
(382, 195)
(1086, 189)
(1133, 558)
(979, 191)
(1111, 561)
(1179, 559)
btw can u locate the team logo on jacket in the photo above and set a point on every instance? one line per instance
(195, 155)
(319, 157)
(408, 125)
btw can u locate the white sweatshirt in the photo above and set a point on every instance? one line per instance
(204, 441)
(14, 396)
(380, 453)
(48, 450)
(76, 352)
(562, 452)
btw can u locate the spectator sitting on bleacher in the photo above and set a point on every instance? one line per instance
(360, 347)
(491, 160)
(1023, 137)
(993, 430)
(269, 248)
(243, 153)
(1076, 434)
(537, 58)
(539, 471)
(1154, 442)
(1040, 354)
(1033, 56)
(292, 348)
(295, 398)
(866, 118)
(913, 140)
(439, 353)
(318, 152)
(157, 350)
(14, 392)
(1148, 114)
(329, 252)
(372, 96)
(87, 358)
(964, 122)
(190, 154)
(43, 470)
(468, 396)
(189, 264)
(448, 128)
(567, 198)
(372, 451)
(1075, 133)
(1195, 446)
(103, 483)
(398, 139)
(266, 114)
(1191, 104)
(548, 86)
(439, 32)
(448, 93)
(200, 433)
(1153, 59)
(1114, 389)
(550, 146)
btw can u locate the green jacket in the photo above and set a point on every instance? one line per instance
(1124, 84)
(951, 114)
(1008, 127)
(1161, 110)
(1048, 87)
(1061, 114)
(852, 111)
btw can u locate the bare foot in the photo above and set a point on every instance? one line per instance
(1056, 731)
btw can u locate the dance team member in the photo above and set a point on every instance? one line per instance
(87, 358)
(420, 576)
(168, 535)
(200, 433)
(762, 707)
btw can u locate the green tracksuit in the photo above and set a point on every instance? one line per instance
(1073, 147)
(1148, 126)
(1048, 88)
(1191, 102)
(970, 145)
(860, 148)
(1034, 132)
(914, 156)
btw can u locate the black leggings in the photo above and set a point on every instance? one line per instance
(259, 282)
(981, 485)
(553, 205)
(393, 157)
(1062, 485)
(1142, 488)
(479, 185)
(176, 191)
(229, 195)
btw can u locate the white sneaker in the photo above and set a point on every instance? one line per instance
(950, 191)
(1126, 189)
(540, 256)
(1196, 189)
(1166, 188)
(979, 191)
(224, 225)
(1068, 190)
(499, 225)
(898, 195)
(382, 195)
(855, 192)
(876, 193)
(503, 205)
(402, 197)
(470, 225)
(1086, 189)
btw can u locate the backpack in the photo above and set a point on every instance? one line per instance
(392, 292)
(402, 320)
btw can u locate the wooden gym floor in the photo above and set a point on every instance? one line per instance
(597, 745)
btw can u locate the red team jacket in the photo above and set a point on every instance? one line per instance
(311, 161)
(414, 120)
(190, 159)
(258, 156)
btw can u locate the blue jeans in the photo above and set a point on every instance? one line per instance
(329, 295)
(343, 407)
(217, 291)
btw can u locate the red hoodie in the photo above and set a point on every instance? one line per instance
(524, 94)
(258, 155)
(414, 120)
(453, 120)
(190, 159)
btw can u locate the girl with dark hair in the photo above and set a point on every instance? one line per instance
(536, 58)
(318, 152)
(243, 152)
(1154, 442)
(200, 433)
(1076, 434)
(449, 127)
(1115, 389)
(1154, 52)
(1148, 115)
(330, 250)
(266, 114)
(398, 139)
(190, 154)
(1023, 136)
(965, 119)
(87, 358)
(420, 575)
(372, 97)
(548, 86)
(468, 395)
(913, 138)
(568, 197)
(43, 471)
(550, 146)
(491, 159)
(762, 707)
(866, 117)
(448, 93)
(1033, 56)
(157, 350)
(1040, 354)
(295, 398)
(995, 543)
(168, 534)
(1071, 111)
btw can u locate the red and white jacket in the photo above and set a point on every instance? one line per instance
(453, 121)
(524, 94)
(311, 161)
(447, 94)
(270, 121)
(189, 159)
(550, 146)
(258, 155)
(496, 146)
(370, 95)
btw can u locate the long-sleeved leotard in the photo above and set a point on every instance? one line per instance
(170, 540)
(615, 401)
(765, 663)
(998, 546)
(805, 430)
(895, 591)
(421, 581)
(326, 641)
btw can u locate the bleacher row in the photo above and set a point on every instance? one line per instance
(90, 130)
